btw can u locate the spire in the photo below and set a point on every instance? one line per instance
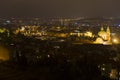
(102, 29)
(108, 29)
(108, 33)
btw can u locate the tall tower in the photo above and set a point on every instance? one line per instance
(108, 33)
(102, 33)
(102, 29)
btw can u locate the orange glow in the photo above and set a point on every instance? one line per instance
(4, 54)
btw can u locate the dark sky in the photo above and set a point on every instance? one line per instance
(64, 8)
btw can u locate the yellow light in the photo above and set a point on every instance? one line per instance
(89, 34)
(22, 29)
(99, 41)
(113, 74)
(115, 41)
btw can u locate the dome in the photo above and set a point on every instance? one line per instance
(101, 33)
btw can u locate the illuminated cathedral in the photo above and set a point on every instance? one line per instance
(103, 36)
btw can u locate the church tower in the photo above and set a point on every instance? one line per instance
(103, 36)
(108, 34)
(102, 29)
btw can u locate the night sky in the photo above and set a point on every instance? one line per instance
(63, 8)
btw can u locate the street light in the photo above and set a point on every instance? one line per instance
(115, 41)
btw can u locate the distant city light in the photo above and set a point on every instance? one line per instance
(76, 23)
(89, 34)
(103, 69)
(8, 21)
(116, 41)
(48, 56)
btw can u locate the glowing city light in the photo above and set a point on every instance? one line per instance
(116, 41)
(89, 34)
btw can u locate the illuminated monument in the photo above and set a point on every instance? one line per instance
(103, 36)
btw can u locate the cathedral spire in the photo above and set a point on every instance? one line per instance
(108, 29)
(108, 33)
(102, 29)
